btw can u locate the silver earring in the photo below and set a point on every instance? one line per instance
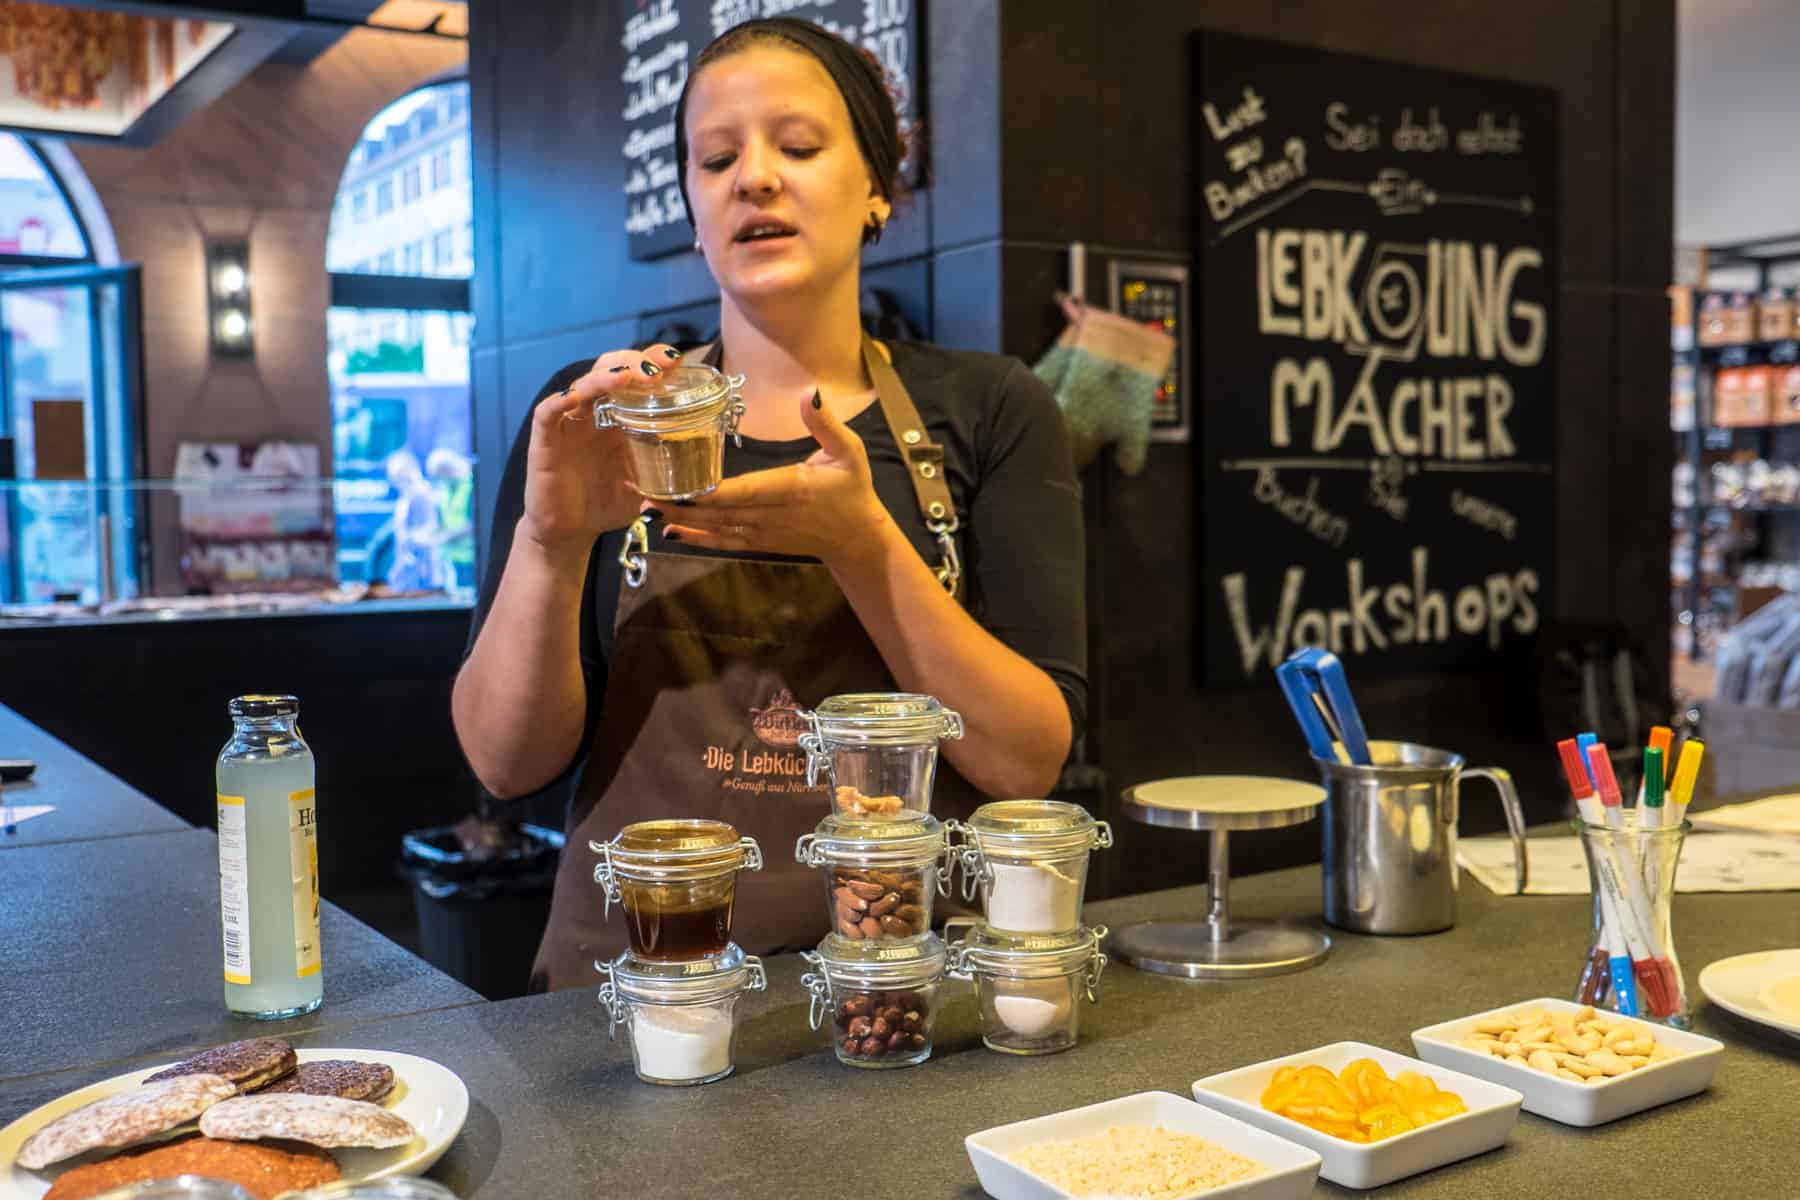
(697, 249)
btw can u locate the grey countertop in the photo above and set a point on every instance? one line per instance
(110, 948)
(90, 802)
(556, 1111)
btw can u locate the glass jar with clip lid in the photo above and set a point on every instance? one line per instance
(675, 427)
(677, 882)
(1029, 860)
(881, 873)
(1029, 988)
(877, 750)
(683, 1015)
(881, 996)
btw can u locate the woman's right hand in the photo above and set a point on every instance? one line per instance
(578, 481)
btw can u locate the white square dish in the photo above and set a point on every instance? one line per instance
(1581, 1104)
(1292, 1169)
(1493, 1110)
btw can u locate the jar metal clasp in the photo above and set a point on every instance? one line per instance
(975, 868)
(605, 874)
(753, 858)
(818, 758)
(818, 985)
(609, 998)
(734, 409)
(1097, 964)
(950, 855)
(1103, 838)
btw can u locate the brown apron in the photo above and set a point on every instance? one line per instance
(713, 659)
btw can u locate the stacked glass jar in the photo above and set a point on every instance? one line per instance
(678, 982)
(1031, 958)
(877, 751)
(876, 974)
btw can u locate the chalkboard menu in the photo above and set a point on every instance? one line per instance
(661, 40)
(1377, 280)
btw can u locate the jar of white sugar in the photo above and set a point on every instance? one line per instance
(1029, 988)
(1029, 859)
(683, 1015)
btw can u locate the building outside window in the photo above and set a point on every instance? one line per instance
(398, 350)
(384, 197)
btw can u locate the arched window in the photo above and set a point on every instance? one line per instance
(69, 379)
(400, 250)
(38, 225)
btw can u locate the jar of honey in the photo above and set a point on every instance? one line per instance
(676, 881)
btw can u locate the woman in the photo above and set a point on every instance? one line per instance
(811, 570)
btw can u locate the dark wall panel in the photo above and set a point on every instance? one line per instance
(1616, 194)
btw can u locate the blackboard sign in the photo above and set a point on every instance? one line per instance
(1377, 279)
(661, 40)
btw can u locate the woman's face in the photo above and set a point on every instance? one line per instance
(779, 188)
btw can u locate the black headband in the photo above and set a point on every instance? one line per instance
(858, 81)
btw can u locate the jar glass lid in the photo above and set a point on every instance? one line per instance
(683, 388)
(899, 962)
(1026, 955)
(903, 837)
(885, 717)
(1034, 827)
(693, 982)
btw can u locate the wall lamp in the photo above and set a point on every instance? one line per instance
(228, 298)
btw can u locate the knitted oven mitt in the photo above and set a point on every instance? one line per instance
(1104, 371)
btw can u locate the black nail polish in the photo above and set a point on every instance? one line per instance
(650, 368)
(685, 503)
(670, 535)
(654, 514)
(817, 403)
(616, 370)
(672, 352)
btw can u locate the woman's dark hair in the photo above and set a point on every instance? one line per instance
(859, 79)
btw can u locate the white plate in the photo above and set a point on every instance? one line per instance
(1292, 1169)
(1580, 1104)
(1744, 985)
(430, 1096)
(1493, 1110)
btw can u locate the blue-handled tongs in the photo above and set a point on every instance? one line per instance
(1313, 682)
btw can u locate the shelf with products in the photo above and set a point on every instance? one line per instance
(1735, 414)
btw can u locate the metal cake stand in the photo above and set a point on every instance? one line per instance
(1220, 947)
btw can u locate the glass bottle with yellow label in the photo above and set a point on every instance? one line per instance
(268, 863)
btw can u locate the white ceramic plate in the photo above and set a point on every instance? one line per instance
(1493, 1110)
(1582, 1104)
(1763, 987)
(431, 1096)
(1292, 1169)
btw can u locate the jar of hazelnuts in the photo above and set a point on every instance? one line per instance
(881, 873)
(880, 997)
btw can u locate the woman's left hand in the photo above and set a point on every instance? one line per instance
(824, 508)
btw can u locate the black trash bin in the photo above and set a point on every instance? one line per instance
(482, 895)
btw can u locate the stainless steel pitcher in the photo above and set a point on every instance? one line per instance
(1390, 837)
